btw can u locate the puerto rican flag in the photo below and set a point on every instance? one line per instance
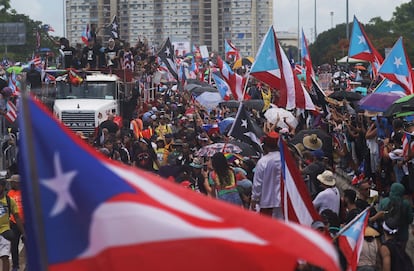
(13, 84)
(307, 61)
(351, 238)
(296, 201)
(360, 47)
(397, 67)
(235, 81)
(292, 93)
(407, 144)
(11, 114)
(231, 51)
(92, 213)
(266, 67)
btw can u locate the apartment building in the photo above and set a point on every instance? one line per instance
(196, 22)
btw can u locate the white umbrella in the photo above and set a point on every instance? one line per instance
(276, 114)
(209, 100)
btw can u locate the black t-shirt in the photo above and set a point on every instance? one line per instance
(69, 53)
(89, 56)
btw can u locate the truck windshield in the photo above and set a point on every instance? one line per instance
(87, 90)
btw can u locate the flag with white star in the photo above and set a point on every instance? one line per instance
(397, 67)
(114, 28)
(166, 54)
(351, 238)
(84, 211)
(388, 86)
(360, 47)
(266, 67)
(245, 129)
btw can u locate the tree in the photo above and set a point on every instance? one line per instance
(5, 4)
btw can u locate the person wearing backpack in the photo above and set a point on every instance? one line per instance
(398, 210)
(393, 256)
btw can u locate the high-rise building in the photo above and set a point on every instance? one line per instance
(194, 22)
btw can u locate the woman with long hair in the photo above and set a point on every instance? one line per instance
(222, 180)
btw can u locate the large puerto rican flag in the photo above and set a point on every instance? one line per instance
(360, 47)
(273, 67)
(266, 67)
(85, 212)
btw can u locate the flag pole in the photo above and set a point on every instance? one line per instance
(37, 257)
(245, 86)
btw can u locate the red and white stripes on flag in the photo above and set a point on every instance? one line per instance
(407, 144)
(11, 114)
(296, 200)
(37, 61)
(292, 93)
(235, 81)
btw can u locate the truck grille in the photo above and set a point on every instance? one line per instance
(80, 121)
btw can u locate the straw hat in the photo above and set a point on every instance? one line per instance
(312, 142)
(371, 232)
(327, 178)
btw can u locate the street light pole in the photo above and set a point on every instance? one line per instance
(332, 14)
(347, 20)
(298, 31)
(314, 27)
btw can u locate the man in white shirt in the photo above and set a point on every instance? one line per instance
(330, 197)
(266, 182)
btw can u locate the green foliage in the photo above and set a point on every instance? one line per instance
(332, 44)
(23, 52)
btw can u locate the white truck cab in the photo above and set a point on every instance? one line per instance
(84, 107)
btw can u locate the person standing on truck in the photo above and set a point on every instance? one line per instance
(90, 55)
(111, 54)
(69, 53)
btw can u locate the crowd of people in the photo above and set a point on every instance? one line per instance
(165, 136)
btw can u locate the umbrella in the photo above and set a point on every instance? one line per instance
(325, 137)
(256, 104)
(345, 95)
(199, 90)
(379, 102)
(401, 106)
(244, 61)
(236, 147)
(15, 69)
(360, 67)
(209, 100)
(224, 125)
(280, 115)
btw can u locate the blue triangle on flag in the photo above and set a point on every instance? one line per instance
(266, 56)
(396, 62)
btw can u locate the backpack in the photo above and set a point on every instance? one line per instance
(400, 260)
(394, 211)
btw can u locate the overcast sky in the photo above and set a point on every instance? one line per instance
(285, 13)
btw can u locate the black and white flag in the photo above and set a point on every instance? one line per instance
(166, 54)
(246, 130)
